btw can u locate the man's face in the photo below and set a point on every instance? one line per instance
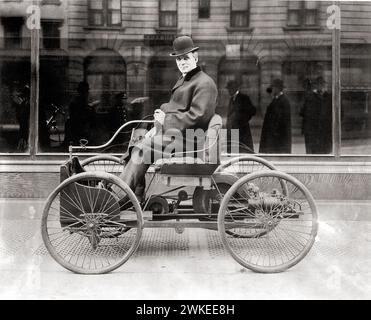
(187, 62)
(232, 90)
(276, 90)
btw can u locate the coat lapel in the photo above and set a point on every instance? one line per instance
(178, 84)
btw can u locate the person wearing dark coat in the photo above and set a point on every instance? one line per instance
(317, 119)
(191, 106)
(240, 112)
(81, 122)
(276, 130)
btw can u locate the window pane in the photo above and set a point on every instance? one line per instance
(168, 19)
(310, 17)
(168, 5)
(115, 18)
(15, 69)
(240, 5)
(51, 35)
(96, 19)
(355, 78)
(204, 9)
(293, 18)
(239, 19)
(311, 4)
(294, 5)
(99, 58)
(114, 4)
(96, 4)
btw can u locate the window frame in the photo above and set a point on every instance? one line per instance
(18, 22)
(106, 15)
(58, 25)
(237, 12)
(174, 12)
(301, 15)
(204, 10)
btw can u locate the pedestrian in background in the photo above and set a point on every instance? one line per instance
(240, 112)
(276, 130)
(317, 119)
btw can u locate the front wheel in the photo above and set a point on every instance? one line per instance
(284, 223)
(92, 223)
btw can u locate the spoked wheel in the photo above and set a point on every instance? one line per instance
(239, 167)
(105, 163)
(288, 221)
(92, 223)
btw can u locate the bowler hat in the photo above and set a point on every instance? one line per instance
(183, 45)
(320, 80)
(276, 83)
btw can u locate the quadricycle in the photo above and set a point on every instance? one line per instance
(93, 222)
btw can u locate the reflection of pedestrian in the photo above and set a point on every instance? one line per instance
(317, 119)
(326, 117)
(276, 131)
(81, 115)
(21, 102)
(240, 111)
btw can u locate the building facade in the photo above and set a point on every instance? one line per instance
(122, 47)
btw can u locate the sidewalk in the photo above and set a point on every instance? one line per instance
(192, 265)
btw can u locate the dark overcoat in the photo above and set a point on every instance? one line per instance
(317, 123)
(192, 103)
(276, 131)
(240, 112)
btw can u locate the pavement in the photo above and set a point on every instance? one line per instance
(192, 265)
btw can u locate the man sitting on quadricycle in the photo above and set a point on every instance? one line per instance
(191, 106)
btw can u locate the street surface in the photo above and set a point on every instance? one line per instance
(192, 265)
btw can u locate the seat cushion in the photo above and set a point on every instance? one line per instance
(186, 169)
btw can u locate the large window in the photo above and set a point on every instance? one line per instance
(104, 13)
(240, 15)
(93, 76)
(303, 14)
(168, 13)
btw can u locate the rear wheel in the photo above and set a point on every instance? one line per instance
(288, 221)
(92, 223)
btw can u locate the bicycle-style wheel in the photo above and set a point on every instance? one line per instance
(92, 223)
(287, 221)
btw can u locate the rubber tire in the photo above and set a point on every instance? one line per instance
(91, 175)
(232, 191)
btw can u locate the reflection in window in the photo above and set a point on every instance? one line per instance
(355, 105)
(105, 12)
(12, 32)
(239, 13)
(163, 74)
(308, 85)
(204, 9)
(14, 88)
(51, 34)
(302, 13)
(105, 73)
(168, 14)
